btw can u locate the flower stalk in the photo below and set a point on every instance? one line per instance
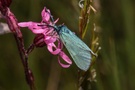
(86, 78)
(13, 26)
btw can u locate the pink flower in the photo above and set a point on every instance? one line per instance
(46, 35)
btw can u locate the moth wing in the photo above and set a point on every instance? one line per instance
(78, 50)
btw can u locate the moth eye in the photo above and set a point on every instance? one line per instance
(66, 31)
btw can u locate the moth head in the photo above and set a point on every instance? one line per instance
(63, 28)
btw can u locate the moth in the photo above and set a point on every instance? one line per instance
(78, 50)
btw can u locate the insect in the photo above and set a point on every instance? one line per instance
(78, 50)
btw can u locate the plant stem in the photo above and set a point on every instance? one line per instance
(13, 26)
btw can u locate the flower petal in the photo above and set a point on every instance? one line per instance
(38, 31)
(56, 20)
(49, 39)
(60, 44)
(45, 15)
(63, 65)
(28, 24)
(66, 59)
(36, 28)
(52, 46)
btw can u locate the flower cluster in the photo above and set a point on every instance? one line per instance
(46, 35)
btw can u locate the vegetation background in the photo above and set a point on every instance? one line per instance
(115, 66)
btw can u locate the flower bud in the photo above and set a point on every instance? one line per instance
(5, 3)
(39, 40)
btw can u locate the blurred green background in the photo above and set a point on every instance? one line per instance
(115, 66)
